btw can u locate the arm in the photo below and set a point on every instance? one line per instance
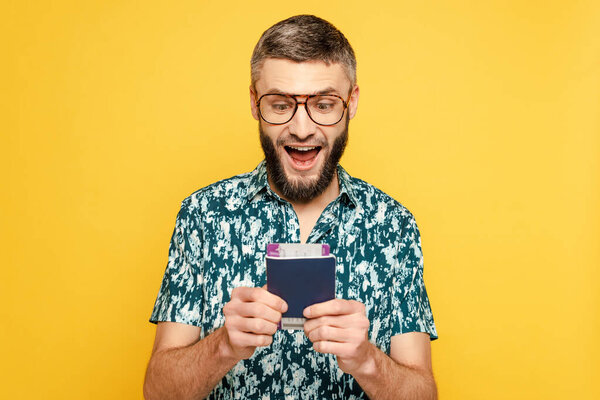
(401, 375)
(341, 327)
(181, 367)
(185, 371)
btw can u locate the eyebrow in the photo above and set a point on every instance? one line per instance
(327, 90)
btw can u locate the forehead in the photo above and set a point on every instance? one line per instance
(301, 77)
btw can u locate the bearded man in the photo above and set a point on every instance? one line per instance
(216, 334)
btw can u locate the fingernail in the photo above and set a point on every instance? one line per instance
(307, 312)
(284, 307)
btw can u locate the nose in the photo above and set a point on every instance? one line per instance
(301, 125)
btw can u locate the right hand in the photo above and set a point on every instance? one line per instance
(251, 318)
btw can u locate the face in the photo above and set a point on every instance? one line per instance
(302, 156)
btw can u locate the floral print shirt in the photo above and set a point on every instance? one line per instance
(219, 243)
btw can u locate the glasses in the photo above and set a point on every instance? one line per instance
(322, 109)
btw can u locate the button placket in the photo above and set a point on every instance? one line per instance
(327, 221)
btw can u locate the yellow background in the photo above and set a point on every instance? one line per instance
(482, 118)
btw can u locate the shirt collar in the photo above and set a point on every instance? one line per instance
(259, 182)
(345, 181)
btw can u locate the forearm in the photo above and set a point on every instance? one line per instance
(383, 378)
(189, 372)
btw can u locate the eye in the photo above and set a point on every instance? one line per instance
(280, 107)
(324, 106)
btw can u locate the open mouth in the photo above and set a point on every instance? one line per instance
(303, 157)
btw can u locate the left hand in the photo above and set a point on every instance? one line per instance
(340, 327)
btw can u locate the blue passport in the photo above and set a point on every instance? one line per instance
(301, 282)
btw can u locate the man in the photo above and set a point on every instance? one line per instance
(217, 331)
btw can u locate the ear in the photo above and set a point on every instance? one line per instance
(253, 99)
(353, 102)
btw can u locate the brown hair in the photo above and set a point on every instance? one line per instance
(304, 38)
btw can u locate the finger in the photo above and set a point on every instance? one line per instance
(339, 349)
(338, 321)
(259, 295)
(285, 306)
(332, 334)
(243, 339)
(257, 310)
(334, 307)
(256, 326)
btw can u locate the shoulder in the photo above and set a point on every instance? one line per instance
(378, 205)
(391, 221)
(228, 194)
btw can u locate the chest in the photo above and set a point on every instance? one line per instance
(234, 250)
(307, 221)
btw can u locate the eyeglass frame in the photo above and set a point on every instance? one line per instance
(308, 97)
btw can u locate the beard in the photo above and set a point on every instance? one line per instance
(300, 190)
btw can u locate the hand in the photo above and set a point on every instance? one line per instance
(340, 327)
(251, 318)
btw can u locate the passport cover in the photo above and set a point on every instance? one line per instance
(301, 282)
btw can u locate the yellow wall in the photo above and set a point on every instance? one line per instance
(481, 117)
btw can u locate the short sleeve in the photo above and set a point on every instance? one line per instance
(411, 311)
(180, 297)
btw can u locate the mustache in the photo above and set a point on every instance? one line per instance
(291, 139)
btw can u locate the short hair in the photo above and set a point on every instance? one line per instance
(303, 38)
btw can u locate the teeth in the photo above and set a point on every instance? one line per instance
(302, 148)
